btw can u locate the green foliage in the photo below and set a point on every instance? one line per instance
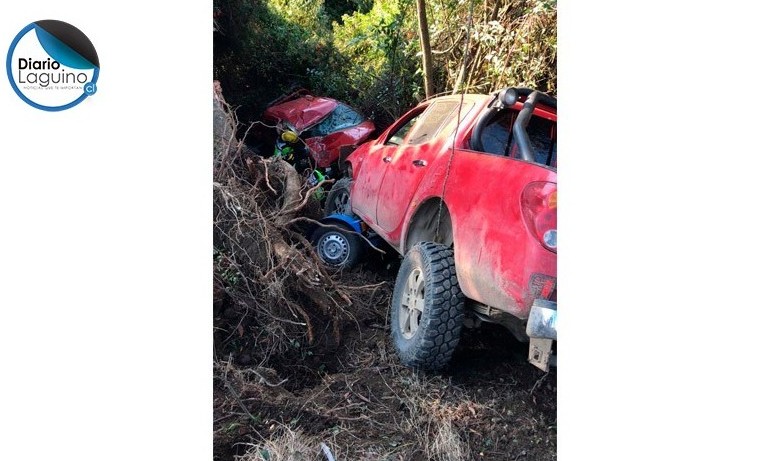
(265, 47)
(377, 50)
(309, 15)
(367, 53)
(338, 8)
(225, 270)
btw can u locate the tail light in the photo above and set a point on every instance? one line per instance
(538, 207)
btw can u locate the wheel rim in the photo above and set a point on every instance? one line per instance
(341, 202)
(334, 249)
(412, 304)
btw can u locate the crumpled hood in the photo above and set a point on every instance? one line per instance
(303, 112)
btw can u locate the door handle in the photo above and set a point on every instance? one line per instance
(419, 163)
(387, 159)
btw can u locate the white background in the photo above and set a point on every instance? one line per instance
(662, 227)
(105, 285)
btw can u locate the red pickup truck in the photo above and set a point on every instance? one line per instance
(464, 187)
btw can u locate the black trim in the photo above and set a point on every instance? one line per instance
(72, 37)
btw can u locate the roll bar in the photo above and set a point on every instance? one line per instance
(505, 99)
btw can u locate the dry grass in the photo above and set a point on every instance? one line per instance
(433, 415)
(445, 444)
(387, 413)
(285, 445)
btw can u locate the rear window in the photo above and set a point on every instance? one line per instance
(342, 117)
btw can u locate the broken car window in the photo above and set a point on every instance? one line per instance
(342, 117)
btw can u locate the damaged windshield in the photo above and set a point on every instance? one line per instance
(342, 117)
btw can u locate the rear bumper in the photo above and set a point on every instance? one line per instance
(542, 320)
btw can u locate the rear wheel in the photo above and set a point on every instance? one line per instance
(426, 314)
(337, 246)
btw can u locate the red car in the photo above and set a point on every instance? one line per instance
(464, 187)
(325, 125)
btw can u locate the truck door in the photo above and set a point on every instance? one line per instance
(375, 164)
(409, 164)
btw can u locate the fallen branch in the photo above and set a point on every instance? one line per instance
(332, 226)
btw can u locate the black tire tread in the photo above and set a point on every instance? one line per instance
(442, 318)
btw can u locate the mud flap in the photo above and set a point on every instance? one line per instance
(541, 328)
(540, 352)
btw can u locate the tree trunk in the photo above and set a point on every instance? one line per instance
(427, 58)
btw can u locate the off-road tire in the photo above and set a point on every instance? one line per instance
(427, 273)
(338, 246)
(338, 199)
